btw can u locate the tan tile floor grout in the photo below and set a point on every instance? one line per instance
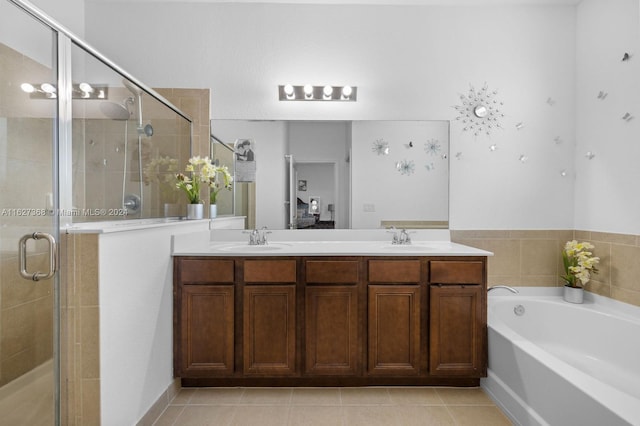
(370, 406)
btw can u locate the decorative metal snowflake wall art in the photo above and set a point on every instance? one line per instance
(405, 167)
(480, 112)
(380, 147)
(432, 147)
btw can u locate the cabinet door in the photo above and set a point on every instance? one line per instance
(206, 340)
(394, 330)
(456, 343)
(269, 337)
(331, 325)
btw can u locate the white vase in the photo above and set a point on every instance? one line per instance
(213, 211)
(573, 294)
(195, 211)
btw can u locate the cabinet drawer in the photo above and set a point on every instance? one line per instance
(270, 271)
(331, 271)
(203, 271)
(394, 271)
(456, 272)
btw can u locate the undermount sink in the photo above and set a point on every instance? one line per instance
(253, 248)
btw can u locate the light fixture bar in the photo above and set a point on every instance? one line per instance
(80, 91)
(307, 92)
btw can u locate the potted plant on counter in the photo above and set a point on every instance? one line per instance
(215, 186)
(579, 263)
(200, 170)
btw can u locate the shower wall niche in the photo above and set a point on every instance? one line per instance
(127, 147)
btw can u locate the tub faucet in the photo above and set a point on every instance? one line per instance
(511, 289)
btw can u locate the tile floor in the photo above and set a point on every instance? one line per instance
(371, 406)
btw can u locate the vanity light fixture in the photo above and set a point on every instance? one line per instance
(308, 92)
(79, 91)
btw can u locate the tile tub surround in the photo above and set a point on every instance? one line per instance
(385, 406)
(534, 258)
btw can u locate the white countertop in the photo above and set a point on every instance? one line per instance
(373, 242)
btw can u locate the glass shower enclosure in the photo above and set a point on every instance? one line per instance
(81, 140)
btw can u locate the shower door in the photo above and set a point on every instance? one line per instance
(28, 223)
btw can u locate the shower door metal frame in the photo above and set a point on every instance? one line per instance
(62, 167)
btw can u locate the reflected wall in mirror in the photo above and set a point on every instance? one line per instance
(341, 165)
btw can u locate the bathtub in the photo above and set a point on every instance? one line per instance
(556, 363)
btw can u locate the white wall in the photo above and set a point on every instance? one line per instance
(136, 320)
(409, 63)
(380, 191)
(607, 186)
(320, 179)
(269, 149)
(325, 142)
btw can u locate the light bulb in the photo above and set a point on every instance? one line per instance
(346, 92)
(86, 87)
(28, 88)
(308, 91)
(327, 91)
(48, 88)
(289, 91)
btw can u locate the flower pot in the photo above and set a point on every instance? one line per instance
(573, 294)
(213, 211)
(195, 211)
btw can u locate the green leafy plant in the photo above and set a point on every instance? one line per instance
(579, 263)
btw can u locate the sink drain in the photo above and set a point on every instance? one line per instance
(518, 310)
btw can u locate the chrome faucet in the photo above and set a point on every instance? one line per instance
(254, 236)
(258, 237)
(506, 287)
(399, 237)
(404, 237)
(262, 236)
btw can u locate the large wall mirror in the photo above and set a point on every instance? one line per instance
(338, 174)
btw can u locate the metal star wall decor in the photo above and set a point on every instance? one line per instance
(480, 113)
(406, 167)
(380, 147)
(432, 147)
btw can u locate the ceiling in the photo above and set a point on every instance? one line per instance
(370, 2)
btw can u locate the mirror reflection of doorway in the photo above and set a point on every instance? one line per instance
(319, 194)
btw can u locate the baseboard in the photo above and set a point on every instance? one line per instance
(161, 404)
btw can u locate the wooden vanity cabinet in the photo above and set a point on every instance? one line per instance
(332, 340)
(204, 332)
(329, 321)
(394, 316)
(269, 317)
(457, 319)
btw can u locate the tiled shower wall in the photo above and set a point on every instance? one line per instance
(534, 258)
(80, 336)
(100, 153)
(195, 104)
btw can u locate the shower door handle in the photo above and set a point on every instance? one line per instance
(53, 256)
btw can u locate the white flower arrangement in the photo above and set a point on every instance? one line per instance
(163, 171)
(579, 263)
(202, 171)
